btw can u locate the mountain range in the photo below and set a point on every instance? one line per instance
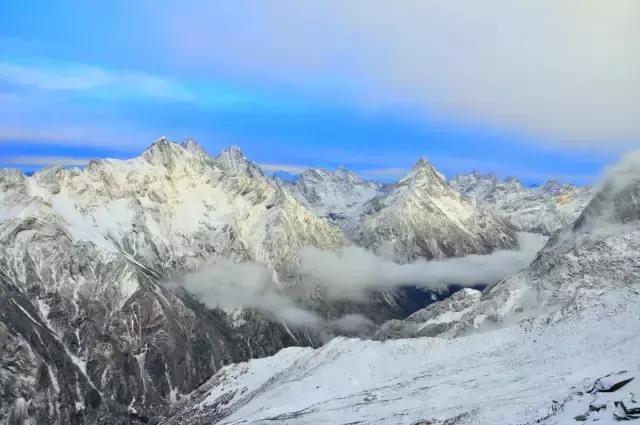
(99, 325)
(555, 343)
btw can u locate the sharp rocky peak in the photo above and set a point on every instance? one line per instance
(344, 173)
(552, 186)
(341, 174)
(192, 146)
(513, 182)
(423, 172)
(233, 160)
(167, 153)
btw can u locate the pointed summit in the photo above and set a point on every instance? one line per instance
(423, 171)
(424, 217)
(422, 163)
(192, 146)
(162, 152)
(552, 186)
(234, 161)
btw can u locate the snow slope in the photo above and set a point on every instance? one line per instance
(518, 375)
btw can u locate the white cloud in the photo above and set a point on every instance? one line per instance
(119, 137)
(347, 274)
(351, 272)
(43, 160)
(563, 70)
(293, 169)
(229, 285)
(80, 77)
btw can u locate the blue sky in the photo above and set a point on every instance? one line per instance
(323, 83)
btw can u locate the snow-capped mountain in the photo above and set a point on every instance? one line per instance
(87, 330)
(174, 206)
(540, 209)
(338, 196)
(555, 343)
(422, 216)
(598, 253)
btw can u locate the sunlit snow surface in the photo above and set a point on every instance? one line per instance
(531, 372)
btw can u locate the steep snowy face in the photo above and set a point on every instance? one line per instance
(338, 196)
(174, 207)
(81, 255)
(543, 209)
(234, 161)
(422, 216)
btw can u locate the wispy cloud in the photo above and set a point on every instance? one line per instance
(293, 169)
(81, 77)
(43, 160)
(118, 137)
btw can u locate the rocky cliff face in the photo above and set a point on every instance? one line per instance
(89, 332)
(423, 217)
(339, 196)
(541, 209)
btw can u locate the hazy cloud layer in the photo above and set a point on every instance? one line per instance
(615, 207)
(80, 77)
(623, 173)
(228, 285)
(348, 274)
(43, 160)
(567, 70)
(351, 272)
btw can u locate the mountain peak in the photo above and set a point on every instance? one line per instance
(511, 180)
(552, 186)
(163, 152)
(422, 163)
(423, 171)
(232, 159)
(233, 150)
(342, 171)
(192, 146)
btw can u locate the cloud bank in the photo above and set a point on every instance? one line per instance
(229, 285)
(348, 274)
(567, 71)
(351, 272)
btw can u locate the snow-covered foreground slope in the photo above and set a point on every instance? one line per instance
(542, 209)
(518, 375)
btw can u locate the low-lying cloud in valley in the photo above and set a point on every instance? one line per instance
(229, 285)
(353, 271)
(350, 273)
